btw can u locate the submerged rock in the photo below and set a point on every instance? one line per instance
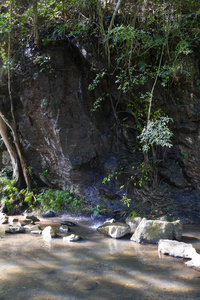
(25, 221)
(175, 248)
(72, 238)
(64, 228)
(34, 229)
(151, 231)
(114, 230)
(15, 229)
(68, 223)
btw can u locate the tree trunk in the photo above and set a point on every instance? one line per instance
(21, 162)
(35, 25)
(10, 147)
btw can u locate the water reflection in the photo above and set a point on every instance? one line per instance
(98, 268)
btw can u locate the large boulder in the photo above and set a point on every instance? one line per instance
(133, 222)
(151, 231)
(48, 232)
(114, 230)
(175, 248)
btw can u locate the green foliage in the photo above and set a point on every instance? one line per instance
(96, 81)
(99, 210)
(113, 175)
(46, 200)
(156, 133)
(50, 199)
(44, 62)
(133, 214)
(9, 192)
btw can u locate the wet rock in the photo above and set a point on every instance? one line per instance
(175, 248)
(109, 221)
(151, 231)
(49, 214)
(114, 230)
(48, 232)
(24, 221)
(34, 229)
(64, 228)
(33, 218)
(72, 238)
(15, 229)
(133, 222)
(68, 223)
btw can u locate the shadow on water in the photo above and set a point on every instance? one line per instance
(99, 268)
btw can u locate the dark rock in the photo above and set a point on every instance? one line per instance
(49, 214)
(33, 218)
(15, 229)
(68, 223)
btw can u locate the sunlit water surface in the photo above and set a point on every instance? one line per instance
(98, 267)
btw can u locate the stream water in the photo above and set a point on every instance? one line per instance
(98, 267)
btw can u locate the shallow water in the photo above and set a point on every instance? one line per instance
(98, 267)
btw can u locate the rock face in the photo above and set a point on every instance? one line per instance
(114, 230)
(175, 248)
(59, 131)
(151, 231)
(67, 144)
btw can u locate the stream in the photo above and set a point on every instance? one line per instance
(98, 267)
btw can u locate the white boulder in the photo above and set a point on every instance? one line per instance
(194, 262)
(48, 232)
(151, 231)
(175, 248)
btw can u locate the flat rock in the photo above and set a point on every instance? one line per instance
(177, 249)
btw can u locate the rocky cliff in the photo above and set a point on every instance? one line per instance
(67, 145)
